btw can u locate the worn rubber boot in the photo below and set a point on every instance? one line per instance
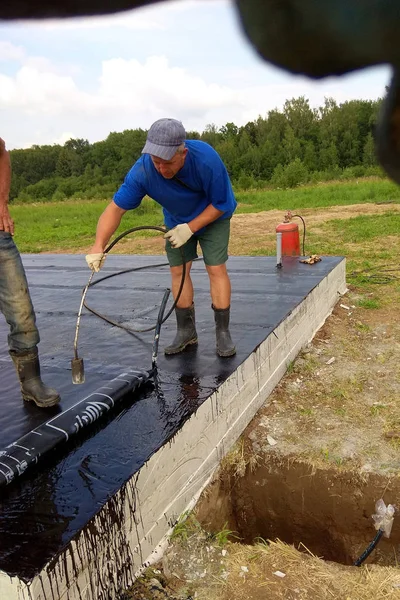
(186, 333)
(32, 387)
(225, 346)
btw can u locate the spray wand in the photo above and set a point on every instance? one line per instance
(77, 364)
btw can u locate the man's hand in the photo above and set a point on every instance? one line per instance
(179, 235)
(95, 261)
(6, 222)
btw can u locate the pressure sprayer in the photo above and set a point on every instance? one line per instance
(288, 238)
(77, 366)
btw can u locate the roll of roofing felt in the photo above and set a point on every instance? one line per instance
(19, 456)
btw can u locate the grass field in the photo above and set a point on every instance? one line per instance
(70, 225)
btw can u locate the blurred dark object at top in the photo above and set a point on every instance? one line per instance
(316, 38)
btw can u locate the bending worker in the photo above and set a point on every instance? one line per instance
(190, 181)
(16, 303)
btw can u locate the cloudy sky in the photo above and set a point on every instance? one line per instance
(185, 59)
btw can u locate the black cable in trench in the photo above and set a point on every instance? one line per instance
(369, 549)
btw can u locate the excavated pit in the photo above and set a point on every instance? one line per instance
(326, 511)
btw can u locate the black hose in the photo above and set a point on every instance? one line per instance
(369, 549)
(131, 330)
(132, 230)
(154, 355)
(378, 278)
(304, 231)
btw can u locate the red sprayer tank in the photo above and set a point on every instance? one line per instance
(290, 236)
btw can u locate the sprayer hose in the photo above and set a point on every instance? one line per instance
(132, 330)
(304, 231)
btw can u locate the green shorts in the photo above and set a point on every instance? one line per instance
(213, 240)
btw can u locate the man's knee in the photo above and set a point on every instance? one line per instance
(176, 272)
(217, 270)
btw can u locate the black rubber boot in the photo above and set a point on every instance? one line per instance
(225, 346)
(32, 387)
(186, 333)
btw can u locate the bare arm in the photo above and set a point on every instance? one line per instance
(108, 223)
(208, 215)
(6, 222)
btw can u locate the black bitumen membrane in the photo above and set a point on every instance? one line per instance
(42, 511)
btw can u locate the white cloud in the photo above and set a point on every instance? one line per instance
(10, 52)
(38, 92)
(143, 90)
(65, 136)
(156, 85)
(42, 137)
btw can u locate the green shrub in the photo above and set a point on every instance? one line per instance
(42, 190)
(353, 172)
(245, 182)
(292, 175)
(58, 196)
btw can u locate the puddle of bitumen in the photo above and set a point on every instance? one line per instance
(46, 508)
(323, 511)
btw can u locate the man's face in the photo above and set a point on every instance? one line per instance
(169, 168)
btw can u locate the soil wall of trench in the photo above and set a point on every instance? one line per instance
(328, 511)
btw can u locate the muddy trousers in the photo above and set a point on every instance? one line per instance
(15, 301)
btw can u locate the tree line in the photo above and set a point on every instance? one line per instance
(288, 147)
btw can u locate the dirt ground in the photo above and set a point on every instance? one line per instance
(254, 233)
(291, 506)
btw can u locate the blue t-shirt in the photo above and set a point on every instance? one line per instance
(203, 172)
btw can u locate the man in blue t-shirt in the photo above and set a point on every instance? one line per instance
(190, 181)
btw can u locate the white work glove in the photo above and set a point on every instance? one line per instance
(95, 261)
(179, 235)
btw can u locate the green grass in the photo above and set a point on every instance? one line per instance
(185, 527)
(360, 239)
(365, 228)
(222, 537)
(369, 303)
(335, 194)
(71, 225)
(377, 409)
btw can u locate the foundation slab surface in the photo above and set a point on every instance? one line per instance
(43, 512)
